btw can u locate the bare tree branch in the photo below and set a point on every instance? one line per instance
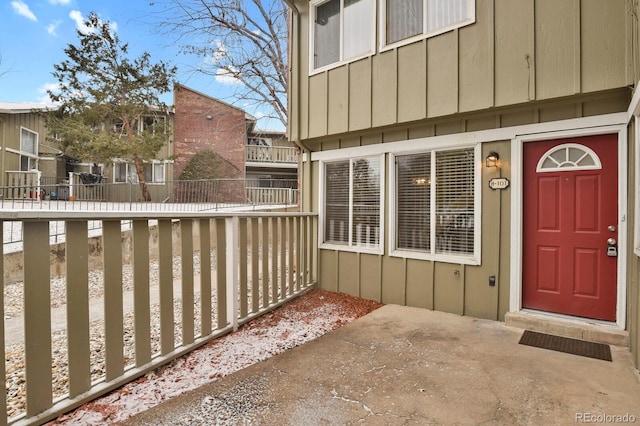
(242, 41)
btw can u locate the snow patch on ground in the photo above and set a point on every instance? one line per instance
(297, 322)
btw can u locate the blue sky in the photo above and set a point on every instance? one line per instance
(34, 33)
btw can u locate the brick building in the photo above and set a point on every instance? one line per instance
(202, 123)
(263, 164)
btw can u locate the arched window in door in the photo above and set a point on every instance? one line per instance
(569, 156)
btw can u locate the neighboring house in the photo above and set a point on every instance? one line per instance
(26, 156)
(269, 156)
(202, 123)
(30, 159)
(478, 157)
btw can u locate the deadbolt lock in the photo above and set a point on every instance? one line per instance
(612, 248)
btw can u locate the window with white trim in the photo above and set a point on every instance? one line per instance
(352, 202)
(28, 150)
(154, 172)
(408, 20)
(341, 30)
(436, 205)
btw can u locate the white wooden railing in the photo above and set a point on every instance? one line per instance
(271, 154)
(271, 196)
(248, 264)
(22, 185)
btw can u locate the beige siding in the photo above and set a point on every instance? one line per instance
(420, 284)
(557, 64)
(393, 273)
(338, 100)
(370, 277)
(514, 57)
(318, 105)
(603, 47)
(328, 264)
(517, 51)
(360, 95)
(448, 288)
(348, 278)
(476, 60)
(442, 75)
(10, 129)
(412, 72)
(384, 89)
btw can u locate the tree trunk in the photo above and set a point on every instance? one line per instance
(143, 184)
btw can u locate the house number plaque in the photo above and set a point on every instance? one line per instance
(499, 183)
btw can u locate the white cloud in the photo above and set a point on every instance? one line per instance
(226, 76)
(220, 52)
(22, 9)
(44, 98)
(63, 2)
(76, 16)
(53, 27)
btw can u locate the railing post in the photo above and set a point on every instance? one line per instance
(232, 225)
(70, 186)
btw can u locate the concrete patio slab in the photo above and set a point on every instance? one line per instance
(402, 365)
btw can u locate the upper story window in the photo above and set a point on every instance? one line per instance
(28, 150)
(342, 30)
(405, 21)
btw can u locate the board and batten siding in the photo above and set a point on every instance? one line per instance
(10, 133)
(448, 287)
(516, 52)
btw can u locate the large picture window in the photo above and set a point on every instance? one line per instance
(409, 19)
(435, 205)
(341, 30)
(352, 203)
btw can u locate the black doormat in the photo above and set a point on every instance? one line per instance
(567, 345)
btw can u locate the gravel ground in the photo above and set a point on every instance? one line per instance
(15, 362)
(301, 320)
(14, 353)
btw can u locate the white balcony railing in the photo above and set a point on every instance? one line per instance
(231, 268)
(271, 154)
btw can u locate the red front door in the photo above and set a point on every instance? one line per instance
(570, 211)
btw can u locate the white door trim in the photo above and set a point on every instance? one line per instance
(515, 302)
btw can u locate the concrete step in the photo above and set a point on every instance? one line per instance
(592, 331)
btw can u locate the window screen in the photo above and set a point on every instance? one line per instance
(454, 202)
(409, 18)
(404, 19)
(366, 201)
(352, 202)
(413, 201)
(337, 202)
(28, 142)
(435, 197)
(342, 30)
(327, 33)
(358, 28)
(443, 13)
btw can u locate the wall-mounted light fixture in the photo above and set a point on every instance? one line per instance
(209, 117)
(492, 159)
